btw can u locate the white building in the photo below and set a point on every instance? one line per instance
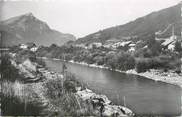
(132, 49)
(96, 44)
(81, 46)
(23, 46)
(33, 49)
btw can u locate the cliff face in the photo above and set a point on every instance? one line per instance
(27, 28)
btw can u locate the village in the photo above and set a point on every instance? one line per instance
(91, 64)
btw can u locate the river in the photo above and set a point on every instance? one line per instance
(143, 96)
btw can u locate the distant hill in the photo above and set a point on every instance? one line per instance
(141, 28)
(27, 28)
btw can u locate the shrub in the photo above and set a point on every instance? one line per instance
(121, 61)
(141, 66)
(70, 86)
(8, 71)
(54, 88)
(25, 54)
(67, 103)
(162, 62)
(125, 61)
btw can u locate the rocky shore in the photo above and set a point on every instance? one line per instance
(158, 75)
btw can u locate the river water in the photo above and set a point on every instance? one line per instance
(143, 96)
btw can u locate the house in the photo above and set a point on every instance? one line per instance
(132, 49)
(80, 45)
(23, 46)
(33, 49)
(95, 44)
(132, 45)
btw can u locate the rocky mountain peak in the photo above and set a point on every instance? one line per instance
(27, 28)
(30, 14)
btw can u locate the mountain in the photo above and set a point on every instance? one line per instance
(140, 28)
(27, 28)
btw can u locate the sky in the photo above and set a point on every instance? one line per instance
(83, 17)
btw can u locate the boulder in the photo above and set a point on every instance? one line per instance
(103, 105)
(117, 111)
(101, 97)
(85, 94)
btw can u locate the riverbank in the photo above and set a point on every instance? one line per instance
(89, 97)
(57, 93)
(157, 75)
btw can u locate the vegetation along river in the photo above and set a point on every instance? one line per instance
(143, 96)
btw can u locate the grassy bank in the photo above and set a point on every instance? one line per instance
(18, 99)
(17, 96)
(54, 95)
(62, 95)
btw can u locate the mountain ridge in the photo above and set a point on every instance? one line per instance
(27, 28)
(141, 28)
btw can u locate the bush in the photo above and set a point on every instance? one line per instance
(67, 103)
(70, 86)
(25, 54)
(141, 66)
(144, 64)
(125, 61)
(54, 88)
(121, 61)
(8, 71)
